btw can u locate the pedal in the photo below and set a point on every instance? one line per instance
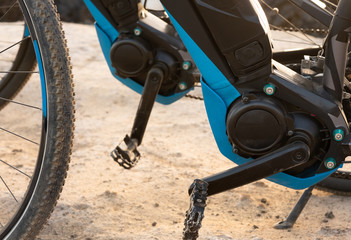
(195, 214)
(127, 156)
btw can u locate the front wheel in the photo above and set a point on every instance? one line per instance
(36, 127)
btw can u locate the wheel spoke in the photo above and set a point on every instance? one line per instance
(290, 23)
(15, 44)
(17, 135)
(19, 71)
(330, 3)
(15, 169)
(19, 103)
(12, 6)
(8, 188)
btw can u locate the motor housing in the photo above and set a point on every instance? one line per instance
(257, 124)
(130, 57)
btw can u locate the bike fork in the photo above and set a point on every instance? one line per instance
(126, 154)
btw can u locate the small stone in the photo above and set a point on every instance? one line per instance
(156, 205)
(255, 226)
(263, 200)
(154, 224)
(329, 215)
(325, 220)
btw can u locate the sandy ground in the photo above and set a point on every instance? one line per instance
(102, 201)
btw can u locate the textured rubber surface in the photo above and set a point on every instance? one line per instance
(56, 141)
(338, 183)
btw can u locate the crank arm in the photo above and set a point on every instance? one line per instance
(280, 160)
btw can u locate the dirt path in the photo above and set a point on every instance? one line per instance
(102, 201)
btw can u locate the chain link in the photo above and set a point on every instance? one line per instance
(304, 30)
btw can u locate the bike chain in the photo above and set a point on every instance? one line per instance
(304, 30)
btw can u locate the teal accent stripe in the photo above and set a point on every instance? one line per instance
(42, 78)
(101, 21)
(26, 31)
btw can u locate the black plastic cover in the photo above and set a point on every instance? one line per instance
(240, 30)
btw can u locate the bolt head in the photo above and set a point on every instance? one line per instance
(269, 89)
(245, 99)
(338, 135)
(276, 10)
(182, 86)
(186, 65)
(137, 31)
(330, 163)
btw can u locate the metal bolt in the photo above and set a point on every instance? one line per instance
(269, 89)
(182, 86)
(299, 156)
(290, 133)
(276, 10)
(138, 31)
(186, 65)
(245, 99)
(338, 135)
(235, 150)
(330, 163)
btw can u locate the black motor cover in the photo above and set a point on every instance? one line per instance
(257, 126)
(130, 57)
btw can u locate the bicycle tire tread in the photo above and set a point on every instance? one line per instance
(55, 168)
(338, 183)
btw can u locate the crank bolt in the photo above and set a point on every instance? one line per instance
(182, 86)
(137, 31)
(186, 65)
(269, 89)
(338, 135)
(330, 163)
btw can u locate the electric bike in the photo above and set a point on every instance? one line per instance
(275, 116)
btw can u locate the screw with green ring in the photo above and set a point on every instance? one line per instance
(182, 86)
(269, 89)
(330, 163)
(137, 31)
(186, 65)
(338, 135)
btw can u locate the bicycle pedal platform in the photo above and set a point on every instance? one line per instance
(126, 156)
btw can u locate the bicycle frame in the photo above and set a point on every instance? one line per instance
(221, 89)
